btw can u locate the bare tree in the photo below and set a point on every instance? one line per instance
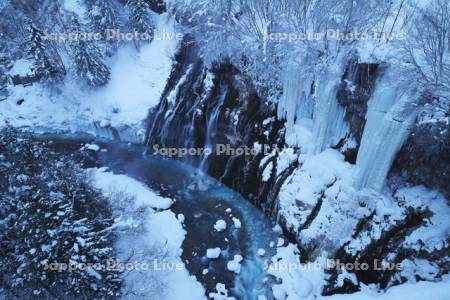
(428, 48)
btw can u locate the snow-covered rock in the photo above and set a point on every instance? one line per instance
(237, 223)
(220, 225)
(221, 293)
(213, 253)
(235, 264)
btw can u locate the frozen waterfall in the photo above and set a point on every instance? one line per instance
(297, 101)
(389, 117)
(329, 125)
(310, 103)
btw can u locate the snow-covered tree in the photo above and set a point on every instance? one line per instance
(88, 60)
(428, 47)
(103, 16)
(140, 20)
(4, 64)
(10, 27)
(45, 62)
(50, 219)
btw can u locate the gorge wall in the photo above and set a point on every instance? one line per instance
(354, 123)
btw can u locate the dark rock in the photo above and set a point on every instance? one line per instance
(425, 157)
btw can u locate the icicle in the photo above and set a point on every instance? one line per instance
(389, 117)
(311, 109)
(297, 104)
(329, 125)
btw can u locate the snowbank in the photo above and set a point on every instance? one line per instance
(107, 181)
(148, 236)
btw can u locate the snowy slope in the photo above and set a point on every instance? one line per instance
(137, 81)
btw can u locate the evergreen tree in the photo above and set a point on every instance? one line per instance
(103, 16)
(44, 59)
(140, 20)
(88, 60)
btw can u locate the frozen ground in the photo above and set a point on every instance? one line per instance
(137, 81)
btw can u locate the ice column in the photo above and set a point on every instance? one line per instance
(389, 118)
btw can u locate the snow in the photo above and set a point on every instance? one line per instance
(92, 147)
(267, 172)
(173, 94)
(181, 218)
(296, 282)
(235, 264)
(411, 291)
(261, 252)
(426, 269)
(345, 193)
(213, 253)
(305, 281)
(21, 67)
(434, 234)
(75, 6)
(280, 242)
(137, 82)
(323, 176)
(220, 225)
(236, 222)
(221, 294)
(93, 273)
(158, 239)
(116, 182)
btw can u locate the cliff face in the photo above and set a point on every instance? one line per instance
(425, 157)
(342, 126)
(203, 107)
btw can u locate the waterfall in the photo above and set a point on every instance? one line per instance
(211, 127)
(389, 118)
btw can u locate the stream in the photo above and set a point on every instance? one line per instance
(202, 200)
